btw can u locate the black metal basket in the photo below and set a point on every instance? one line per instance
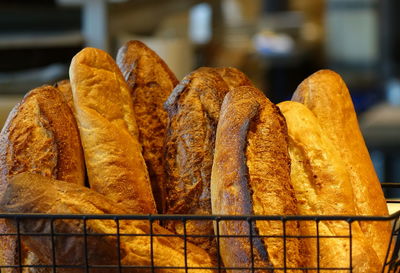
(55, 237)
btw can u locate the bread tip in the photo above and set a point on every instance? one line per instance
(132, 45)
(86, 53)
(93, 58)
(326, 73)
(287, 106)
(135, 42)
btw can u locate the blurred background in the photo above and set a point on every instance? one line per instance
(277, 43)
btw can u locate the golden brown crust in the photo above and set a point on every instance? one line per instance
(327, 96)
(40, 136)
(233, 77)
(30, 193)
(193, 110)
(132, 59)
(64, 87)
(151, 82)
(268, 164)
(322, 186)
(251, 175)
(103, 108)
(235, 198)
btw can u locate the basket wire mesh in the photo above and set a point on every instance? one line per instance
(56, 237)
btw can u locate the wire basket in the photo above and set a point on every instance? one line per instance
(83, 245)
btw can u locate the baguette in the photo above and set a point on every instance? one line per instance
(40, 136)
(151, 82)
(193, 112)
(31, 193)
(322, 186)
(251, 176)
(109, 133)
(327, 96)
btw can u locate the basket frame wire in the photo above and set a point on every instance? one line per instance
(19, 244)
(85, 238)
(151, 247)
(53, 248)
(284, 245)
(350, 243)
(391, 262)
(318, 245)
(185, 244)
(250, 225)
(119, 245)
(216, 226)
(392, 259)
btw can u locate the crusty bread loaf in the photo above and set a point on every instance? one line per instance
(109, 134)
(327, 96)
(151, 82)
(251, 175)
(322, 186)
(40, 136)
(193, 111)
(30, 193)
